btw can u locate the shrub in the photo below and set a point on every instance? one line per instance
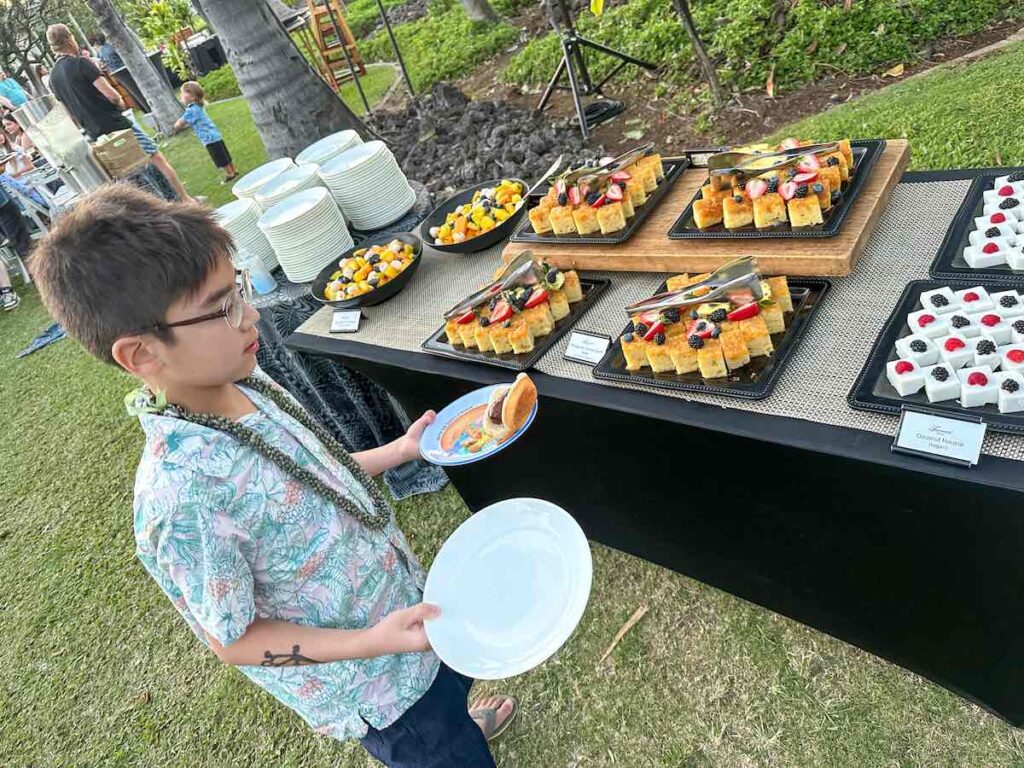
(361, 15)
(441, 45)
(220, 84)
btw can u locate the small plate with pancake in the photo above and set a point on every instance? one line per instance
(480, 423)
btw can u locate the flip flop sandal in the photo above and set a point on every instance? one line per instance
(489, 715)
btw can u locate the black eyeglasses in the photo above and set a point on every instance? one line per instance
(233, 309)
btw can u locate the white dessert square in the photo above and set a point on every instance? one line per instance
(1011, 396)
(905, 377)
(975, 299)
(941, 300)
(941, 383)
(1014, 210)
(986, 353)
(977, 258)
(1015, 258)
(955, 350)
(978, 387)
(960, 322)
(993, 326)
(927, 323)
(1016, 332)
(1008, 304)
(1004, 237)
(1002, 192)
(918, 348)
(1011, 357)
(1001, 180)
(996, 219)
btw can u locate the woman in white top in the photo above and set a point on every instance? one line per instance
(20, 163)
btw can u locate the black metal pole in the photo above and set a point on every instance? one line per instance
(394, 45)
(348, 59)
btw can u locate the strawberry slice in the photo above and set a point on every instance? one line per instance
(744, 312)
(699, 327)
(614, 193)
(620, 176)
(539, 296)
(788, 190)
(600, 201)
(805, 178)
(650, 317)
(654, 330)
(574, 195)
(584, 190)
(468, 317)
(559, 186)
(757, 188)
(502, 311)
(789, 144)
(808, 163)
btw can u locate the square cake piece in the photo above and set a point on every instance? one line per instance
(941, 383)
(1011, 357)
(940, 300)
(960, 322)
(985, 353)
(1002, 235)
(585, 219)
(711, 361)
(1008, 304)
(927, 323)
(707, 213)
(974, 299)
(1017, 332)
(769, 211)
(1011, 391)
(995, 219)
(611, 218)
(994, 327)
(978, 387)
(804, 211)
(905, 377)
(1010, 206)
(561, 220)
(955, 350)
(1015, 258)
(988, 255)
(737, 212)
(919, 349)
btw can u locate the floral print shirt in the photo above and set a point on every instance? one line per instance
(231, 538)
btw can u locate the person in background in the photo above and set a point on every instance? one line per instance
(13, 229)
(80, 86)
(8, 298)
(17, 133)
(44, 76)
(12, 95)
(105, 51)
(19, 164)
(194, 98)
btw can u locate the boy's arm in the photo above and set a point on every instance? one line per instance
(406, 448)
(271, 643)
(180, 125)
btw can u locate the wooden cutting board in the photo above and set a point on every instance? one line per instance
(650, 250)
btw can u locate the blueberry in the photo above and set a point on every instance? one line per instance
(832, 162)
(659, 338)
(627, 337)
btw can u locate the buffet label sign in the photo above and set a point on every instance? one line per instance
(938, 435)
(586, 347)
(346, 320)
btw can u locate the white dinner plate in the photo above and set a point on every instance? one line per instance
(257, 177)
(512, 583)
(327, 147)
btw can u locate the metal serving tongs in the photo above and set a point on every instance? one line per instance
(739, 275)
(522, 270)
(725, 163)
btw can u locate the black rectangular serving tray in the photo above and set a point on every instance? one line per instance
(949, 262)
(437, 343)
(754, 381)
(524, 232)
(872, 391)
(865, 154)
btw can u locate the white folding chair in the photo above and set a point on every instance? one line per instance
(12, 261)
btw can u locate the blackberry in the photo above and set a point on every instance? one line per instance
(659, 338)
(741, 184)
(695, 341)
(992, 232)
(959, 321)
(718, 316)
(940, 374)
(1019, 326)
(1008, 203)
(716, 333)
(817, 187)
(563, 198)
(1017, 176)
(641, 329)
(1008, 301)
(1011, 386)
(986, 347)
(672, 315)
(938, 300)
(917, 345)
(627, 337)
(801, 191)
(484, 322)
(832, 161)
(694, 314)
(773, 184)
(593, 197)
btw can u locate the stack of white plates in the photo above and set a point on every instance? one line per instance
(306, 231)
(239, 217)
(248, 185)
(287, 184)
(319, 152)
(368, 185)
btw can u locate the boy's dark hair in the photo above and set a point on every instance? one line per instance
(114, 264)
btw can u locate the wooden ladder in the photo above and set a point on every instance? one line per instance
(335, 69)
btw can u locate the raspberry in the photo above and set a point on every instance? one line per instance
(990, 320)
(953, 343)
(1005, 191)
(904, 367)
(990, 248)
(971, 296)
(924, 320)
(1015, 356)
(977, 379)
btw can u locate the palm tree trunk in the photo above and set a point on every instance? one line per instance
(156, 90)
(706, 65)
(479, 10)
(291, 105)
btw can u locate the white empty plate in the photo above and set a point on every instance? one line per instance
(256, 178)
(327, 147)
(512, 583)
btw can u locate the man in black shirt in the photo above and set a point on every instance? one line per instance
(80, 86)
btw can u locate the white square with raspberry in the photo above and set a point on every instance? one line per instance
(927, 323)
(940, 300)
(978, 387)
(1011, 395)
(1011, 358)
(941, 383)
(1015, 258)
(1003, 191)
(1008, 304)
(975, 299)
(994, 327)
(996, 219)
(906, 377)
(955, 350)
(918, 348)
(1013, 208)
(988, 255)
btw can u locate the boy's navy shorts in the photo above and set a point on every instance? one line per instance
(435, 732)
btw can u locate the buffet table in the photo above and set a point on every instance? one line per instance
(795, 502)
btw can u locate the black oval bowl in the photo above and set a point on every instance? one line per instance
(377, 295)
(480, 242)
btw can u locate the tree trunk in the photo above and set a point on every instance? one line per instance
(706, 65)
(155, 90)
(291, 105)
(479, 10)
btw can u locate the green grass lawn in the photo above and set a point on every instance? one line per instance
(99, 670)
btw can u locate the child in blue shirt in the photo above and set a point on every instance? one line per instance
(273, 543)
(194, 98)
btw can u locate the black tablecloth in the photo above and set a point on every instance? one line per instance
(913, 560)
(358, 412)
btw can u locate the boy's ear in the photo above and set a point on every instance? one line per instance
(135, 355)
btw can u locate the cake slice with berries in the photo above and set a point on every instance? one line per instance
(804, 209)
(756, 336)
(779, 286)
(978, 387)
(562, 222)
(634, 350)
(737, 212)
(905, 376)
(769, 210)
(707, 213)
(684, 356)
(611, 218)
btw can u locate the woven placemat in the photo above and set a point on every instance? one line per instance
(824, 365)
